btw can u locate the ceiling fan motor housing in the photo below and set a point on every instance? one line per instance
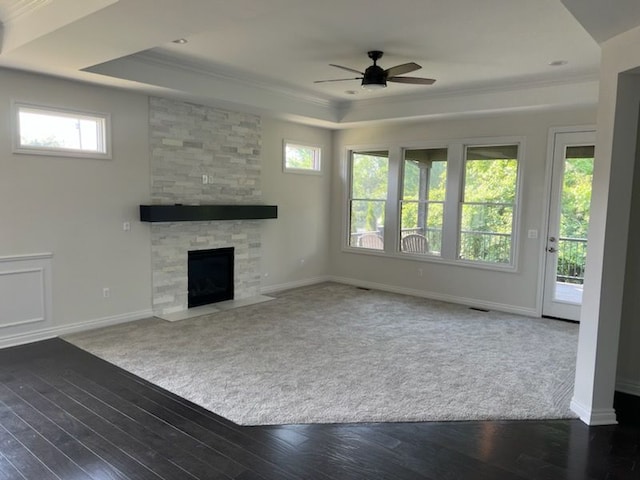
(374, 75)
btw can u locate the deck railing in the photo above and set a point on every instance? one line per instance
(572, 258)
(485, 246)
(496, 247)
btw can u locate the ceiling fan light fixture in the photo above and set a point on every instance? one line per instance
(373, 86)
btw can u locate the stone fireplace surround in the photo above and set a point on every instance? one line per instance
(189, 141)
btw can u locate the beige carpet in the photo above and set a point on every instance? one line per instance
(335, 353)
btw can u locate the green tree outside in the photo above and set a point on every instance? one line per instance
(300, 157)
(574, 218)
(370, 173)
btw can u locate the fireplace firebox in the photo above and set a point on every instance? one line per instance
(210, 275)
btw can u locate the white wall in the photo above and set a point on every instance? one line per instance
(517, 292)
(616, 150)
(295, 246)
(628, 371)
(75, 207)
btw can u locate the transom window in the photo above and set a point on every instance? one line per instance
(301, 158)
(53, 131)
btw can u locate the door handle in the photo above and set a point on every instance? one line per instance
(551, 250)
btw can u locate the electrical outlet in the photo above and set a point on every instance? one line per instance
(106, 293)
(126, 226)
(205, 179)
(211, 180)
(419, 272)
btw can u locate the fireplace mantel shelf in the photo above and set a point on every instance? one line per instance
(198, 213)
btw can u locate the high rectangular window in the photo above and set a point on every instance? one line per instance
(423, 197)
(488, 203)
(369, 174)
(53, 131)
(301, 158)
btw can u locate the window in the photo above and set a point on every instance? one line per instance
(488, 203)
(452, 203)
(301, 158)
(52, 131)
(369, 175)
(423, 197)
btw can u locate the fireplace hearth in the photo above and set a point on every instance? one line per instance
(210, 276)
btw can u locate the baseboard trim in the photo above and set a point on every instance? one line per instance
(471, 302)
(47, 333)
(296, 284)
(595, 416)
(627, 385)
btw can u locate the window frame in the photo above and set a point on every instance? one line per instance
(104, 136)
(456, 149)
(351, 199)
(402, 201)
(515, 223)
(304, 171)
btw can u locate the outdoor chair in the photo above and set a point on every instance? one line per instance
(372, 240)
(415, 243)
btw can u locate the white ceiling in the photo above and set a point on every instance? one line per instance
(604, 19)
(265, 55)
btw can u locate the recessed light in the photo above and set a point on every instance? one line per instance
(181, 41)
(558, 63)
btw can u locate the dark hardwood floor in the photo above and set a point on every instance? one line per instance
(65, 414)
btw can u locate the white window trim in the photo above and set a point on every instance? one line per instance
(346, 199)
(455, 161)
(515, 227)
(60, 152)
(446, 207)
(302, 171)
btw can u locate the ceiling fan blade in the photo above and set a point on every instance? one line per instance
(400, 69)
(337, 80)
(412, 80)
(346, 68)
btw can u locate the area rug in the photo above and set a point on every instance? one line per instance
(335, 353)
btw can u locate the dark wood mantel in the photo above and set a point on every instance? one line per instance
(198, 213)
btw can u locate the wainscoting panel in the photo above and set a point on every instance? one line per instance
(25, 291)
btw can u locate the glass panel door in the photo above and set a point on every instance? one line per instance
(566, 249)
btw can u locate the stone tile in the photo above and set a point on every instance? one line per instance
(186, 142)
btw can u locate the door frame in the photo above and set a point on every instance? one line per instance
(542, 234)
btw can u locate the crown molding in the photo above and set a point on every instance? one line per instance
(503, 87)
(577, 91)
(153, 73)
(171, 62)
(26, 21)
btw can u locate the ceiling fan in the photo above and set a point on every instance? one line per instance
(374, 77)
